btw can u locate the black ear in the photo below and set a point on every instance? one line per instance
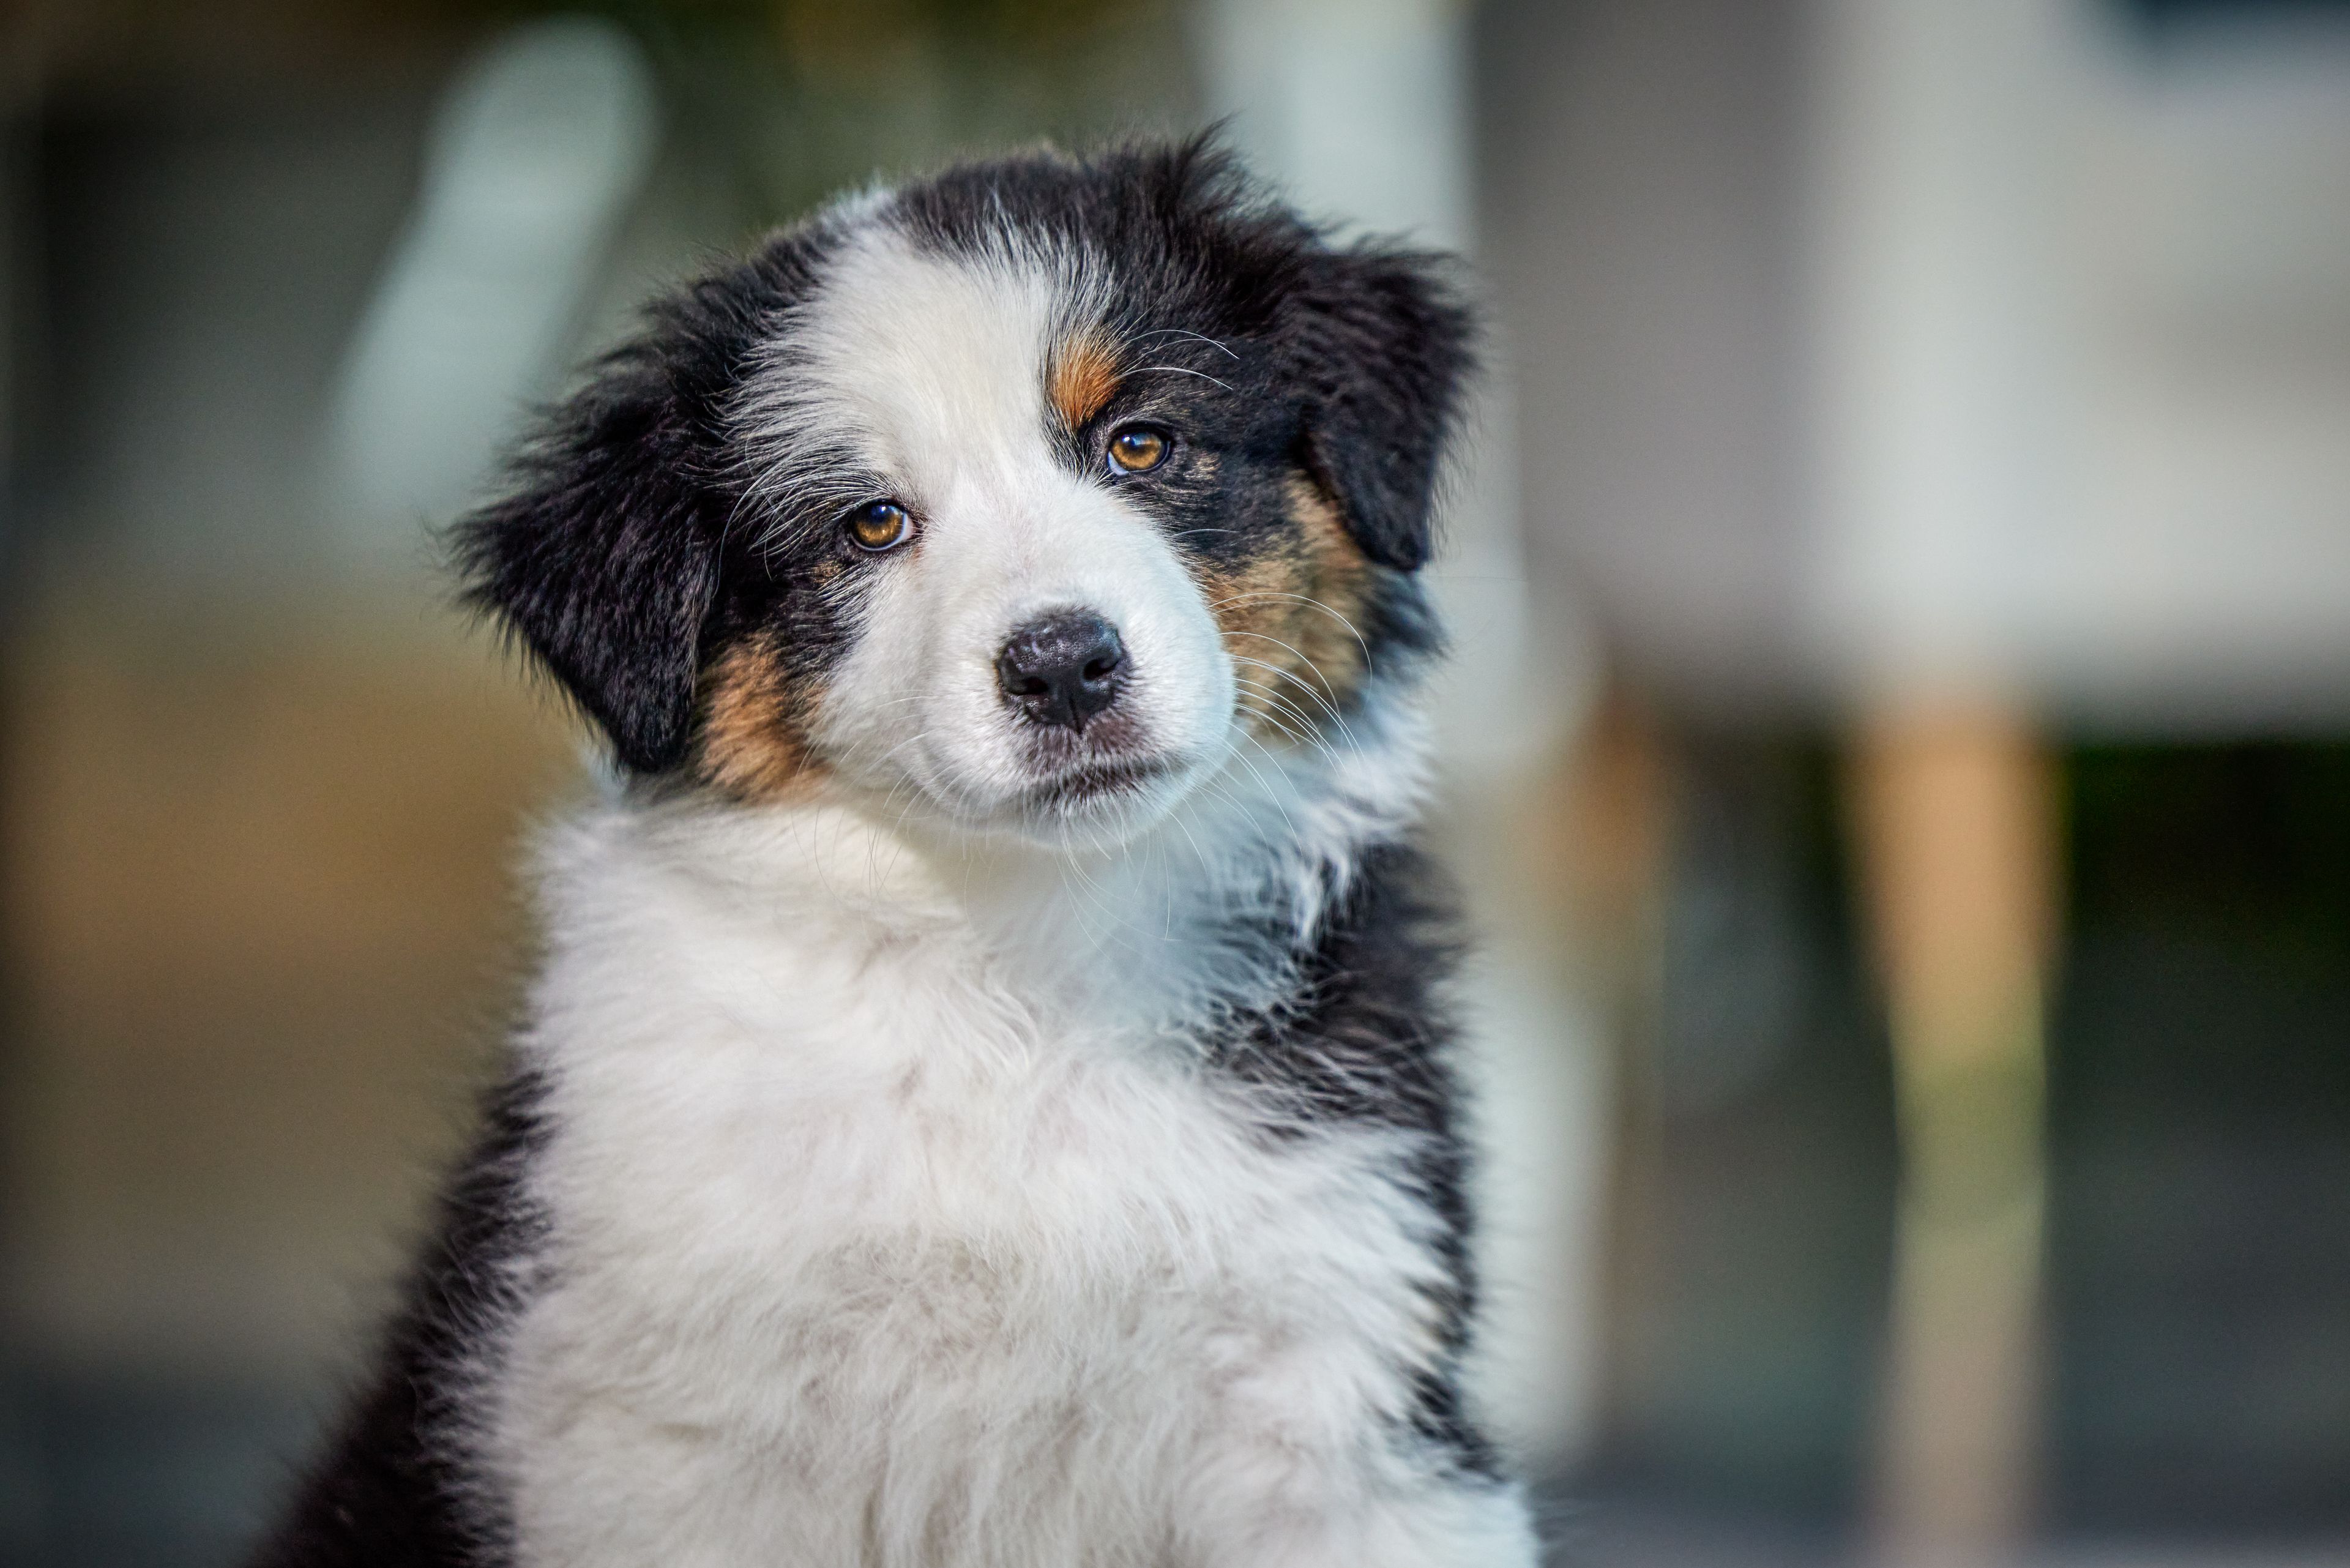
(604, 556)
(1383, 344)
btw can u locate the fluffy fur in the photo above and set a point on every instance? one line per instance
(945, 1133)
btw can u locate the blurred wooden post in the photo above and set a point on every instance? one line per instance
(1953, 814)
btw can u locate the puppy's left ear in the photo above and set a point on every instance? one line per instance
(603, 559)
(1383, 346)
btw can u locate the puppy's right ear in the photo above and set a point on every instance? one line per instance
(603, 559)
(1382, 345)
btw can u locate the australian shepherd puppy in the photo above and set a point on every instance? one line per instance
(986, 1100)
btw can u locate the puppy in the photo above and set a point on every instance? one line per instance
(986, 1099)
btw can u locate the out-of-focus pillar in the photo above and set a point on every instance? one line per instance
(1952, 812)
(1946, 351)
(539, 147)
(1359, 111)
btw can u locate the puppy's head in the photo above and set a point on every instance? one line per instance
(1023, 499)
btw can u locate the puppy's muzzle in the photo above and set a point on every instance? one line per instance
(1063, 668)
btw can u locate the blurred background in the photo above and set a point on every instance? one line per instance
(1898, 749)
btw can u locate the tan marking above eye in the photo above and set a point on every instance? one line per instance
(1138, 449)
(1084, 378)
(879, 526)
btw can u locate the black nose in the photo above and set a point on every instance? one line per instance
(1063, 668)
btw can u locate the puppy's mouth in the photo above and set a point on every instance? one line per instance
(1089, 784)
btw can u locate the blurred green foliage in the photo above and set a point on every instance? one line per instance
(796, 99)
(785, 101)
(2249, 842)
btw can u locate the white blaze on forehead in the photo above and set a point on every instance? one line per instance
(922, 365)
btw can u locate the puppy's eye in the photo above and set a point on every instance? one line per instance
(879, 525)
(1138, 449)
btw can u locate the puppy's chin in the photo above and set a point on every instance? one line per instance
(1093, 806)
(1101, 805)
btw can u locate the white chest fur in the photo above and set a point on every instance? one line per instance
(861, 1256)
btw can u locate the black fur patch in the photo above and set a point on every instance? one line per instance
(393, 1490)
(1365, 1038)
(611, 554)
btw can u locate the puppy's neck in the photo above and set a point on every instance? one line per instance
(1204, 909)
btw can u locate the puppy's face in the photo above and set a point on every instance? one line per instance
(1018, 501)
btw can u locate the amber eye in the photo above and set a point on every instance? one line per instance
(1138, 449)
(879, 525)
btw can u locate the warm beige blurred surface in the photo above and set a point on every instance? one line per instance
(263, 926)
(1955, 812)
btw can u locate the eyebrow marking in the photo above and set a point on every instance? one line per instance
(1180, 370)
(1196, 338)
(1084, 376)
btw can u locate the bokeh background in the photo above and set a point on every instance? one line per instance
(1899, 747)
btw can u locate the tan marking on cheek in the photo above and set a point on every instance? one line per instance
(756, 720)
(1083, 378)
(1290, 619)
